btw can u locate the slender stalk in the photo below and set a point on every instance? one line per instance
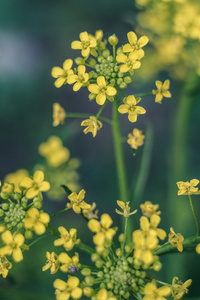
(83, 116)
(189, 244)
(85, 248)
(194, 215)
(60, 212)
(101, 109)
(121, 175)
(119, 158)
(143, 173)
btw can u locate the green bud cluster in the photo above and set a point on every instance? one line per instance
(121, 276)
(108, 68)
(14, 215)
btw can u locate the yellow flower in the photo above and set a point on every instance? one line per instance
(162, 90)
(149, 209)
(65, 290)
(176, 240)
(92, 125)
(54, 152)
(5, 265)
(151, 292)
(85, 44)
(89, 214)
(36, 220)
(7, 188)
(198, 249)
(179, 288)
(144, 246)
(126, 209)
(131, 108)
(59, 114)
(52, 262)
(69, 264)
(130, 62)
(188, 188)
(101, 90)
(62, 74)
(35, 185)
(135, 44)
(79, 78)
(16, 178)
(149, 226)
(102, 229)
(77, 202)
(103, 295)
(136, 138)
(67, 239)
(13, 245)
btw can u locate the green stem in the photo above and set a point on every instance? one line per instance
(83, 116)
(144, 166)
(38, 239)
(60, 212)
(121, 175)
(101, 109)
(194, 215)
(119, 158)
(143, 94)
(85, 248)
(189, 244)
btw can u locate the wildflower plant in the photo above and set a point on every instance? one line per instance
(123, 261)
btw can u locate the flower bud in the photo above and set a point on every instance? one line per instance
(113, 40)
(79, 61)
(122, 238)
(106, 53)
(86, 272)
(88, 291)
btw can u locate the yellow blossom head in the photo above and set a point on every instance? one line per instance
(162, 90)
(131, 108)
(176, 239)
(93, 125)
(179, 288)
(54, 151)
(126, 209)
(86, 43)
(35, 185)
(36, 220)
(59, 114)
(188, 188)
(149, 209)
(135, 139)
(77, 202)
(62, 74)
(65, 290)
(102, 91)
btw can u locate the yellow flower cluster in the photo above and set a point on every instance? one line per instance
(188, 188)
(135, 139)
(54, 151)
(174, 27)
(93, 125)
(35, 185)
(104, 234)
(107, 75)
(77, 202)
(176, 239)
(146, 240)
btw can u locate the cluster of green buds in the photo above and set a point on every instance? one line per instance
(14, 207)
(120, 268)
(116, 66)
(117, 270)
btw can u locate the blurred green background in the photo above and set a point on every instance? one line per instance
(34, 37)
